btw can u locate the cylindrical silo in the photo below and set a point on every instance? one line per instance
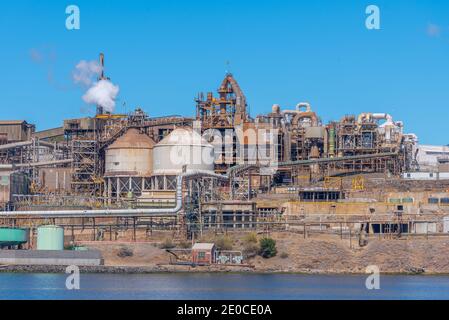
(182, 149)
(50, 238)
(130, 155)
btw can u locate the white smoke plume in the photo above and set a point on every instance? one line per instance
(86, 71)
(102, 93)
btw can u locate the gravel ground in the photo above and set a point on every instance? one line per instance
(315, 255)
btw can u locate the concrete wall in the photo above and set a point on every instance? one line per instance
(56, 179)
(300, 208)
(54, 258)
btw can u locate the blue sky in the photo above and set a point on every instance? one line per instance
(162, 53)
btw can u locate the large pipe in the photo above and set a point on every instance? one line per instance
(376, 116)
(275, 165)
(383, 116)
(34, 164)
(306, 105)
(43, 163)
(299, 106)
(298, 114)
(117, 212)
(25, 144)
(15, 145)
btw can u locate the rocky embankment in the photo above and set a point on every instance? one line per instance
(315, 255)
(330, 255)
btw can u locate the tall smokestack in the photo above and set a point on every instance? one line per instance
(102, 66)
(100, 109)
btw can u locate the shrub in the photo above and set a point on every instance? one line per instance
(284, 255)
(267, 248)
(250, 238)
(250, 250)
(167, 244)
(223, 243)
(125, 252)
(185, 245)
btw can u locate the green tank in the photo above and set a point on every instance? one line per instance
(13, 237)
(50, 238)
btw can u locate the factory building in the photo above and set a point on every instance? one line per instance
(221, 169)
(134, 156)
(15, 131)
(432, 158)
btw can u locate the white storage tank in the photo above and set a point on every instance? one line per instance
(182, 148)
(50, 238)
(130, 155)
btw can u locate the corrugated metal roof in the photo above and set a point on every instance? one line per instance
(12, 122)
(203, 246)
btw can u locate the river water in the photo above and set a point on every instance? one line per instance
(220, 286)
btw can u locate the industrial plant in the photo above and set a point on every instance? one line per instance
(131, 177)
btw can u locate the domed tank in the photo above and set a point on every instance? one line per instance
(50, 238)
(182, 147)
(130, 155)
(12, 237)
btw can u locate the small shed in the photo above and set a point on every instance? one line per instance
(203, 253)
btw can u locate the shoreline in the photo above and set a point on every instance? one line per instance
(45, 269)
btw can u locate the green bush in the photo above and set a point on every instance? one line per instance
(223, 243)
(267, 248)
(167, 244)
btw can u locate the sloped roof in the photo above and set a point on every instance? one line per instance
(184, 136)
(203, 246)
(14, 122)
(133, 139)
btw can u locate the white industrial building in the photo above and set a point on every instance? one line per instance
(430, 157)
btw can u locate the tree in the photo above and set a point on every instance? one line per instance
(267, 248)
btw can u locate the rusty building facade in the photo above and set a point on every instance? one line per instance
(122, 161)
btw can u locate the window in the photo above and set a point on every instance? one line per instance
(201, 255)
(431, 175)
(444, 200)
(434, 200)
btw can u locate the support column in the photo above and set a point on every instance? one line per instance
(118, 189)
(251, 220)
(109, 196)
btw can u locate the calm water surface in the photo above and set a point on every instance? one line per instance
(221, 286)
